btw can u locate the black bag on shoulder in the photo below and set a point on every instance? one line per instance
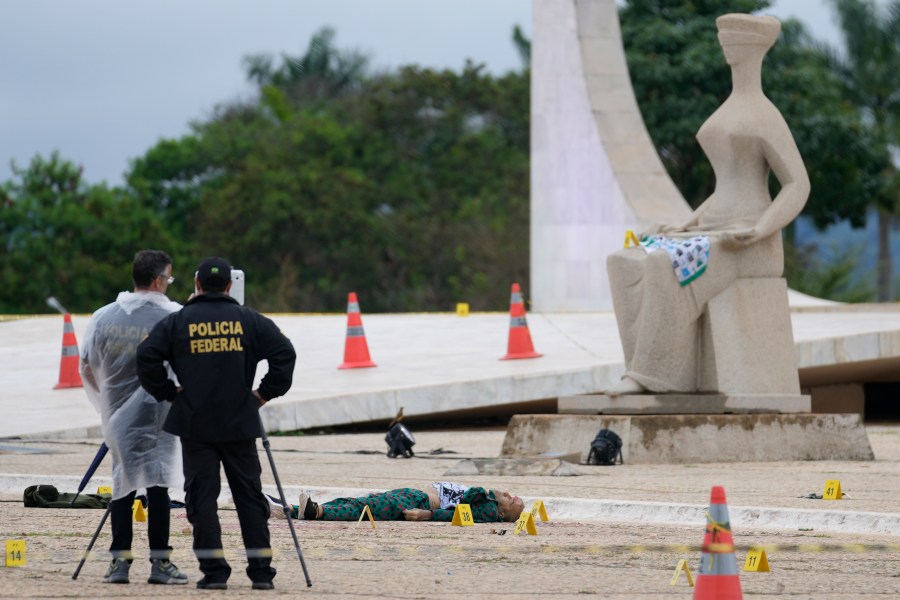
(605, 449)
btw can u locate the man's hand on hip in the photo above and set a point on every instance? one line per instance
(261, 400)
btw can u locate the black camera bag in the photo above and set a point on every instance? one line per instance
(605, 449)
(400, 441)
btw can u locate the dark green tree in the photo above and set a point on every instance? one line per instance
(324, 72)
(827, 271)
(523, 46)
(457, 206)
(65, 238)
(408, 187)
(870, 70)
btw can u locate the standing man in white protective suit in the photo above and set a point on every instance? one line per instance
(143, 455)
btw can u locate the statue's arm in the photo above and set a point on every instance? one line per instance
(781, 154)
(783, 157)
(692, 224)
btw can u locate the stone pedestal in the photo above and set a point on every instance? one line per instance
(650, 439)
(683, 404)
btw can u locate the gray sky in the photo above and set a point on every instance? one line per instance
(102, 80)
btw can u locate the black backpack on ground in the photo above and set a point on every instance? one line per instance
(605, 449)
(400, 441)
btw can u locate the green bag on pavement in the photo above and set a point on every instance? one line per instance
(47, 496)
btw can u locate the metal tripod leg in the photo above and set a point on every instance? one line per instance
(284, 502)
(93, 539)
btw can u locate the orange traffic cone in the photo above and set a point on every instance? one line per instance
(519, 345)
(68, 364)
(717, 578)
(356, 351)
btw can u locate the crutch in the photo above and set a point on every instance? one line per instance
(284, 502)
(93, 539)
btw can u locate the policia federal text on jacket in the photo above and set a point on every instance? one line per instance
(214, 345)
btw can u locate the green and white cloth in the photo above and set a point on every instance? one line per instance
(689, 256)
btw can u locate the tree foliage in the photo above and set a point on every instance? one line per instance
(870, 72)
(827, 271)
(63, 237)
(409, 187)
(323, 73)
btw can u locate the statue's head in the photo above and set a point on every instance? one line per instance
(742, 36)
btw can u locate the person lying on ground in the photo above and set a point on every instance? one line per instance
(436, 503)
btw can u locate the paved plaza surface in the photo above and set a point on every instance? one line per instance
(614, 532)
(584, 550)
(430, 364)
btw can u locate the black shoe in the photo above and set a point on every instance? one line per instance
(165, 572)
(204, 584)
(263, 585)
(117, 571)
(307, 509)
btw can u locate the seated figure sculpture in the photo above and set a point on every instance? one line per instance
(739, 224)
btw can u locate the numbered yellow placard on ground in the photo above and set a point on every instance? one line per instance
(462, 516)
(539, 510)
(631, 239)
(105, 489)
(683, 566)
(756, 561)
(462, 309)
(137, 510)
(15, 553)
(526, 523)
(832, 490)
(366, 511)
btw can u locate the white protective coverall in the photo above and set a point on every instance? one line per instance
(143, 455)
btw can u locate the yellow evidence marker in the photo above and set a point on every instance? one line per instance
(631, 239)
(538, 509)
(462, 516)
(683, 566)
(15, 553)
(757, 561)
(366, 512)
(137, 510)
(526, 523)
(105, 489)
(832, 490)
(462, 309)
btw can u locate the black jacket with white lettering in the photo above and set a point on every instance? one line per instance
(214, 344)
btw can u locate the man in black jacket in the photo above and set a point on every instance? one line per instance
(214, 345)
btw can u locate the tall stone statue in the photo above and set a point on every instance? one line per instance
(662, 289)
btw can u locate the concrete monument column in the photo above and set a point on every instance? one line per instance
(594, 170)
